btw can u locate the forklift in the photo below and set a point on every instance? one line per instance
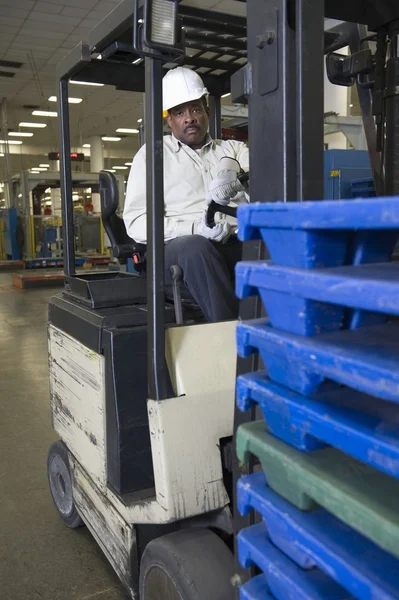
(144, 457)
(144, 411)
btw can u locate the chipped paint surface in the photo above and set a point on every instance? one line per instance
(116, 538)
(78, 401)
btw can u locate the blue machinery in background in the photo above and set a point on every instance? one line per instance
(11, 241)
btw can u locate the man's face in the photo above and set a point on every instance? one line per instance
(189, 123)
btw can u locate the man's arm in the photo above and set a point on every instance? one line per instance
(135, 211)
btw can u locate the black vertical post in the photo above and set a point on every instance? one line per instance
(215, 117)
(157, 376)
(359, 32)
(392, 117)
(309, 37)
(66, 181)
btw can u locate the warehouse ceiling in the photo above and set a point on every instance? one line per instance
(34, 36)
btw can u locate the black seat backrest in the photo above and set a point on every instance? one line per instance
(122, 245)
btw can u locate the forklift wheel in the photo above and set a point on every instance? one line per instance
(191, 564)
(59, 478)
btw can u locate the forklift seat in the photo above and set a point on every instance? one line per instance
(123, 246)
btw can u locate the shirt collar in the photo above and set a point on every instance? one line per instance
(177, 144)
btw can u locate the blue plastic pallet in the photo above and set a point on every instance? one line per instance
(308, 302)
(317, 539)
(285, 579)
(255, 589)
(366, 359)
(320, 234)
(364, 427)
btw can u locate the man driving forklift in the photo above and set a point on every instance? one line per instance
(196, 168)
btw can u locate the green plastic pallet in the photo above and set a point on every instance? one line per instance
(356, 493)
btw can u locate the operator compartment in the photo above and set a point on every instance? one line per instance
(98, 377)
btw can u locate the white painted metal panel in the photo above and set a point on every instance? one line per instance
(185, 431)
(115, 537)
(78, 401)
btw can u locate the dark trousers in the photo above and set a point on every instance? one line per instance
(208, 269)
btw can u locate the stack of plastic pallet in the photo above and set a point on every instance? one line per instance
(328, 445)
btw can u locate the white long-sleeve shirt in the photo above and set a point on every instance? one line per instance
(187, 175)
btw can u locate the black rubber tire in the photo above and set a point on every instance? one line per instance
(60, 483)
(191, 564)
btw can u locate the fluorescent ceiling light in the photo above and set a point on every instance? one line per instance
(44, 113)
(75, 197)
(119, 167)
(86, 146)
(20, 133)
(137, 61)
(1, 154)
(124, 130)
(49, 203)
(87, 83)
(111, 139)
(110, 170)
(47, 190)
(70, 100)
(139, 120)
(39, 168)
(226, 95)
(47, 197)
(128, 164)
(38, 125)
(19, 195)
(44, 165)
(11, 142)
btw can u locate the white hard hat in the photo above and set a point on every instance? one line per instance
(181, 85)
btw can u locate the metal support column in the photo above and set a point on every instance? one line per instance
(392, 115)
(358, 33)
(66, 181)
(309, 34)
(215, 117)
(157, 372)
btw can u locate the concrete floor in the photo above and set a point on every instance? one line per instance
(40, 558)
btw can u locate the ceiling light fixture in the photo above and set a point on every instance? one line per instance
(38, 125)
(44, 165)
(40, 168)
(106, 138)
(119, 167)
(137, 61)
(128, 164)
(11, 142)
(124, 130)
(226, 95)
(139, 120)
(86, 83)
(20, 133)
(86, 146)
(1, 154)
(70, 100)
(44, 113)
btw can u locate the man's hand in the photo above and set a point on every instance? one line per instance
(223, 188)
(219, 233)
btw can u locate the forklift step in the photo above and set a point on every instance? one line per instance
(322, 234)
(29, 280)
(359, 495)
(366, 359)
(308, 302)
(318, 539)
(364, 427)
(256, 589)
(284, 577)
